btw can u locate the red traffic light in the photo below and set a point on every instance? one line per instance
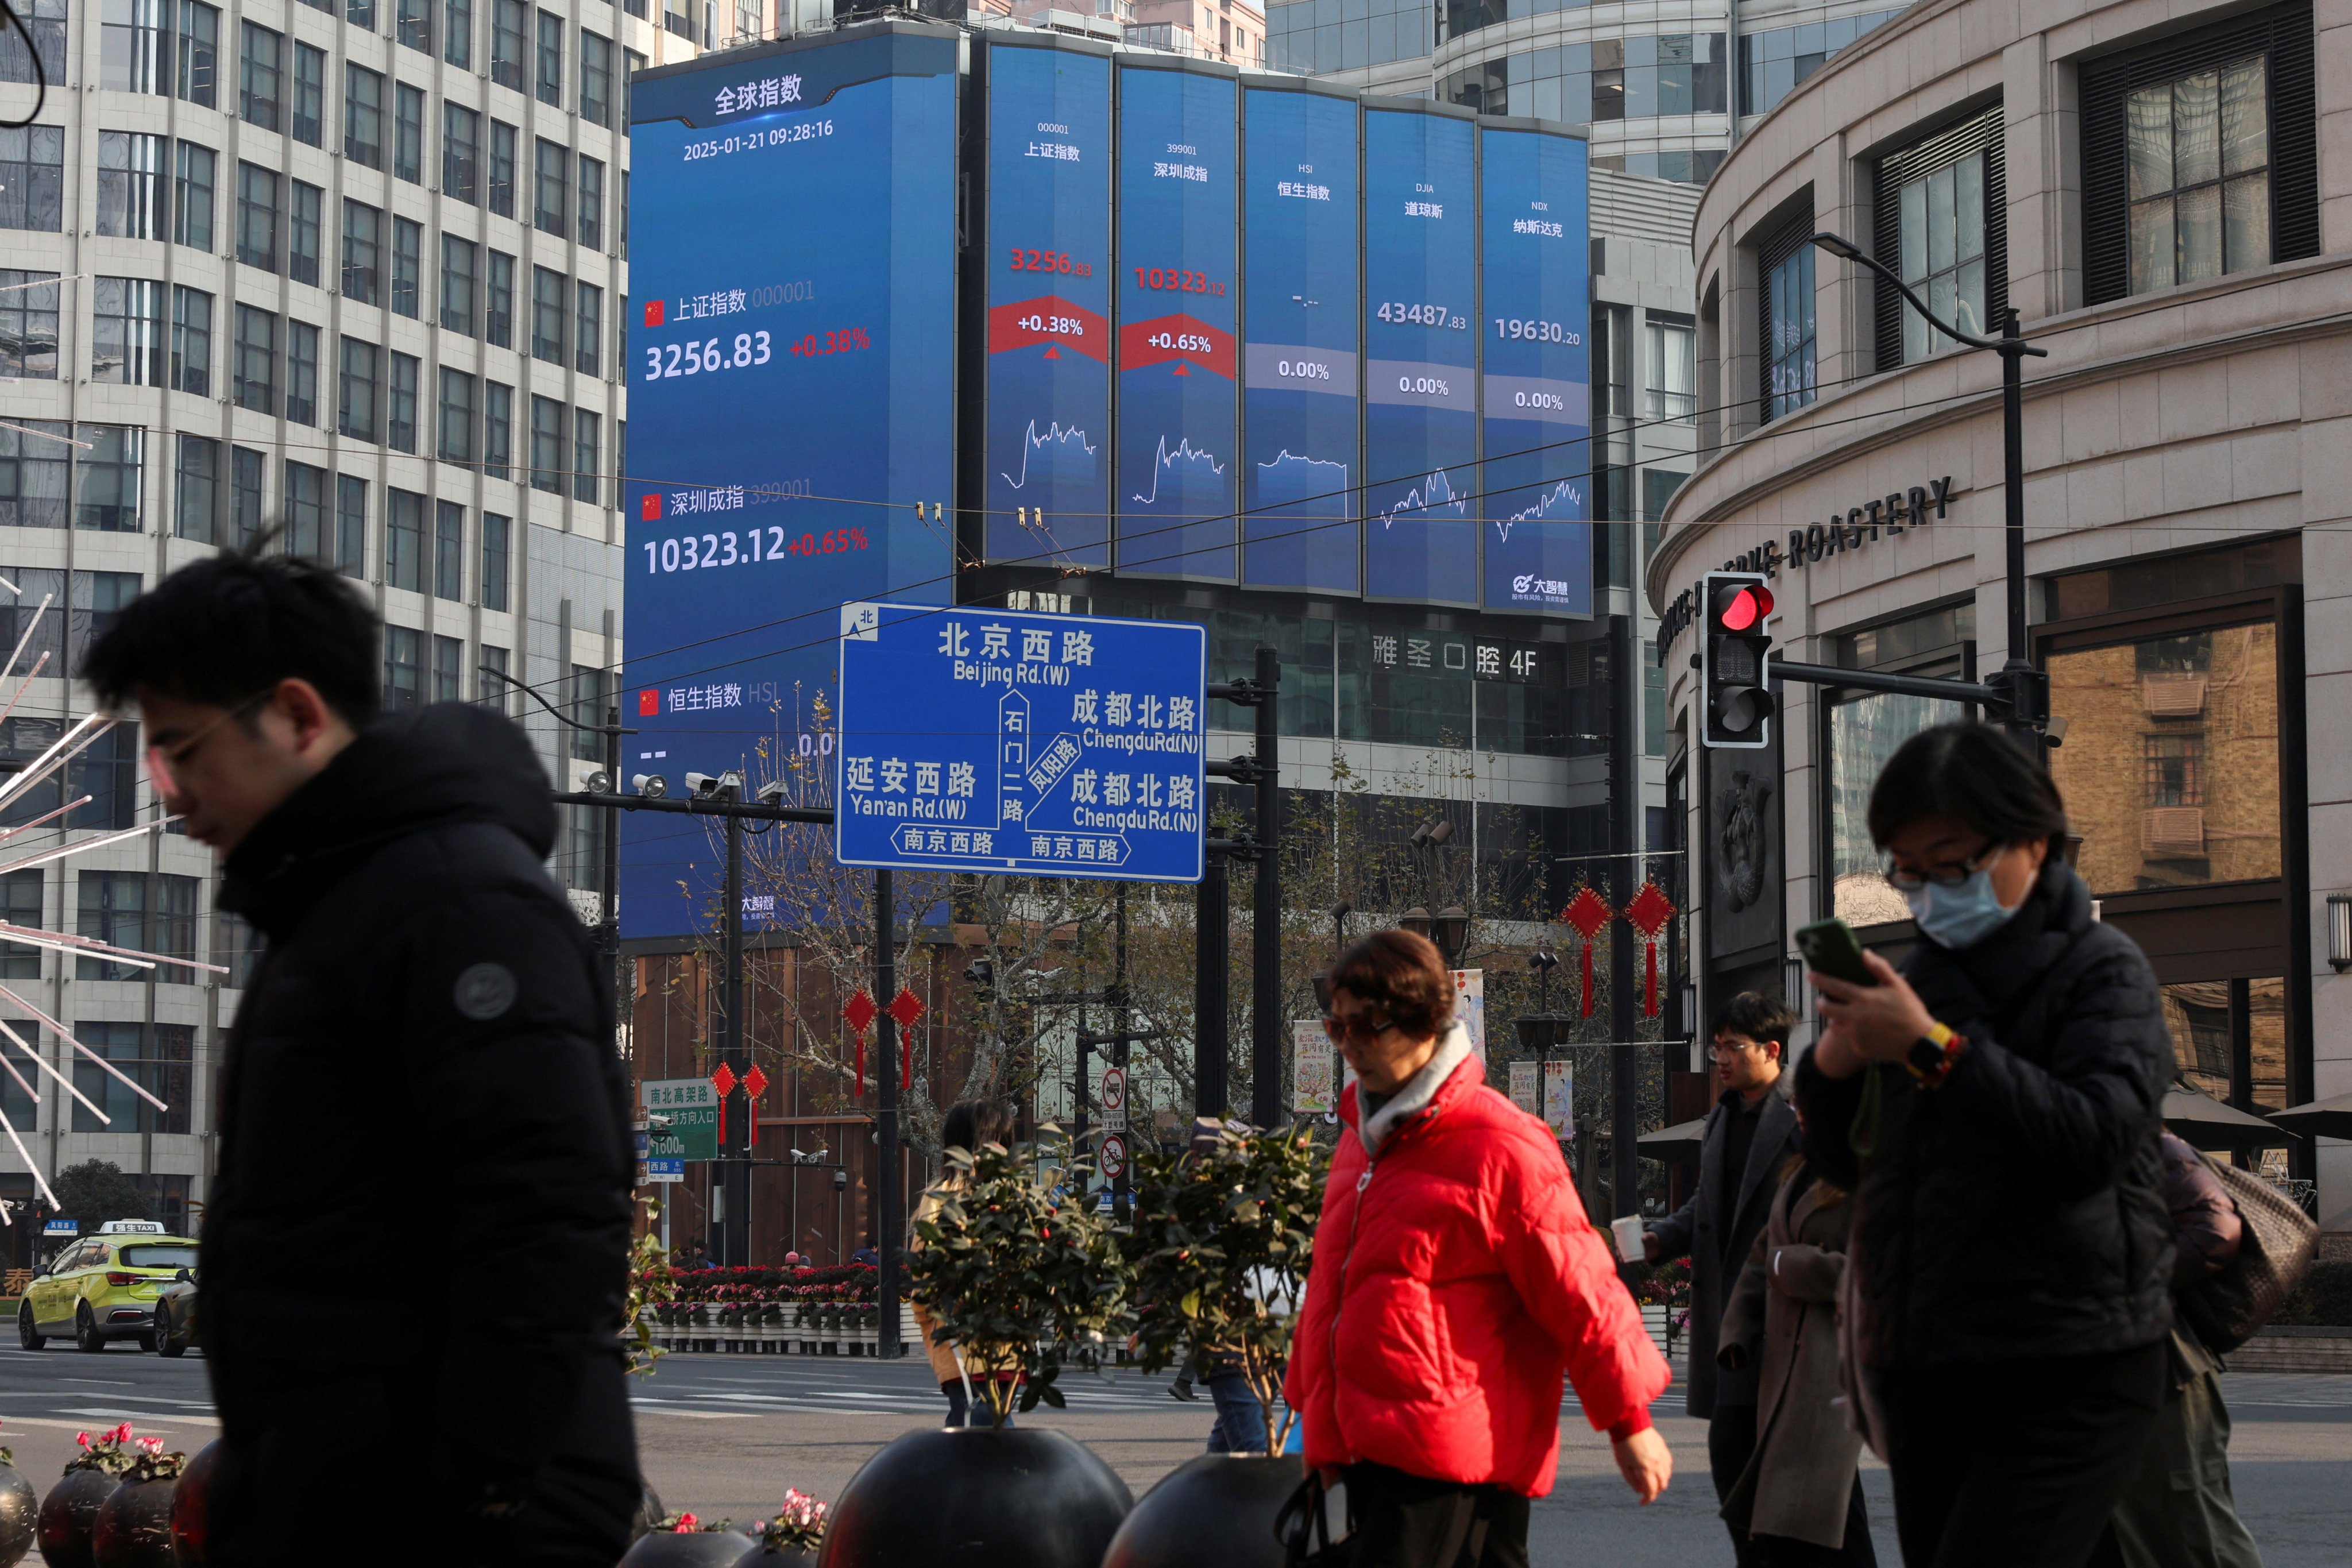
(1746, 610)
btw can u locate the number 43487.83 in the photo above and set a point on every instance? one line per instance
(693, 359)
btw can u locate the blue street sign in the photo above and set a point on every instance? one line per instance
(661, 1170)
(980, 740)
(62, 1228)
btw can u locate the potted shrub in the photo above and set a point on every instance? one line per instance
(682, 1541)
(69, 1513)
(792, 1538)
(20, 1509)
(134, 1525)
(1219, 1253)
(1023, 1288)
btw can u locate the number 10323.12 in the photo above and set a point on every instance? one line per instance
(691, 553)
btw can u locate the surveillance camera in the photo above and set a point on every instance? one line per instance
(599, 782)
(699, 785)
(771, 793)
(653, 786)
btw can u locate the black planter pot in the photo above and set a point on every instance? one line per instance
(978, 1498)
(699, 1549)
(20, 1512)
(192, 1507)
(134, 1527)
(70, 1516)
(1217, 1512)
(761, 1557)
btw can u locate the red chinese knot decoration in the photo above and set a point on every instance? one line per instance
(755, 1084)
(1588, 912)
(860, 1012)
(723, 1080)
(905, 1008)
(1648, 913)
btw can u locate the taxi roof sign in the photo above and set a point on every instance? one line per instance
(130, 1228)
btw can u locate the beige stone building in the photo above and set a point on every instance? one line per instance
(2164, 194)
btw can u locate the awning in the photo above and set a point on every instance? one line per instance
(2204, 1123)
(2330, 1117)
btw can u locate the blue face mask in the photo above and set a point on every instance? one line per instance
(1958, 917)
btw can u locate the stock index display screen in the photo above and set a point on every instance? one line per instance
(792, 404)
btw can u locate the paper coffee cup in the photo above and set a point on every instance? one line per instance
(1627, 1229)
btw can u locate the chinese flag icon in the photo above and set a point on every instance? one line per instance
(648, 704)
(653, 312)
(649, 509)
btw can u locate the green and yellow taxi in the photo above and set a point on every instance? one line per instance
(103, 1287)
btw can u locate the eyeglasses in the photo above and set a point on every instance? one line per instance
(1341, 1028)
(163, 759)
(1942, 876)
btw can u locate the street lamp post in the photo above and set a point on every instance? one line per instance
(2028, 690)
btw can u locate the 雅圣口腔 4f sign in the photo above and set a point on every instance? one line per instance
(978, 740)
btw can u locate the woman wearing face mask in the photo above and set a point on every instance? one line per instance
(1993, 1106)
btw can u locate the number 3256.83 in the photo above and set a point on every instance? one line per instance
(693, 359)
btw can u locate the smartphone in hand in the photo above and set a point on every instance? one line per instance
(1830, 948)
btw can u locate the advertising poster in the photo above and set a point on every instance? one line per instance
(1559, 1099)
(1312, 1076)
(1301, 416)
(1421, 355)
(1047, 473)
(1523, 1087)
(1177, 481)
(791, 401)
(1470, 1008)
(1537, 492)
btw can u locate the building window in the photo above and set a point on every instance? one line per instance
(192, 224)
(236, 948)
(301, 373)
(413, 22)
(127, 331)
(2173, 773)
(403, 541)
(498, 430)
(1864, 731)
(305, 249)
(28, 325)
(362, 116)
(456, 416)
(1786, 264)
(489, 688)
(199, 51)
(503, 138)
(448, 669)
(258, 69)
(458, 33)
(192, 340)
(20, 904)
(45, 21)
(108, 478)
(119, 1044)
(1673, 369)
(495, 532)
(400, 403)
(408, 133)
(595, 78)
(591, 203)
(32, 176)
(360, 14)
(306, 513)
(34, 474)
(497, 314)
(307, 122)
(196, 489)
(509, 25)
(449, 550)
(245, 509)
(407, 266)
(549, 197)
(403, 673)
(458, 260)
(350, 526)
(2199, 156)
(588, 341)
(547, 445)
(547, 313)
(587, 465)
(130, 189)
(1773, 61)
(256, 216)
(550, 59)
(1942, 226)
(363, 251)
(355, 408)
(461, 137)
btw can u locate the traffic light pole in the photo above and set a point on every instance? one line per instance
(886, 1224)
(1213, 952)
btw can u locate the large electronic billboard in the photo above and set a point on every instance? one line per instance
(1301, 413)
(1179, 420)
(792, 403)
(1045, 251)
(1536, 389)
(1421, 353)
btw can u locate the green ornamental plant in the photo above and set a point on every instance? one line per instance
(1021, 1285)
(651, 1296)
(1222, 1240)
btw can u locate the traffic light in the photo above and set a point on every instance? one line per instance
(1732, 646)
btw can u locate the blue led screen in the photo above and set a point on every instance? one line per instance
(1302, 325)
(792, 403)
(1179, 424)
(1537, 491)
(1420, 356)
(1047, 254)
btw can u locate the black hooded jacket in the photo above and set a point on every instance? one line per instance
(426, 1157)
(2018, 1210)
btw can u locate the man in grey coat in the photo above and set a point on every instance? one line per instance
(1750, 1133)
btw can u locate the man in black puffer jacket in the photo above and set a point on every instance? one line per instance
(1995, 1108)
(415, 1248)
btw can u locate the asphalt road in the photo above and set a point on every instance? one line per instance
(726, 1434)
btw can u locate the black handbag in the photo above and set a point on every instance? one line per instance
(2274, 1251)
(1304, 1528)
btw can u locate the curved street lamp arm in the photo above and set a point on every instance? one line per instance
(558, 714)
(1838, 245)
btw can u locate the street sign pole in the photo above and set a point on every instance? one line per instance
(886, 1035)
(735, 1171)
(1626, 828)
(1266, 1022)
(1211, 952)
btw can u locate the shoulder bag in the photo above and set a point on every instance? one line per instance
(2274, 1252)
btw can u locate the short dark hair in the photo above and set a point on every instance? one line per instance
(1973, 773)
(971, 1123)
(1753, 1015)
(1402, 974)
(233, 626)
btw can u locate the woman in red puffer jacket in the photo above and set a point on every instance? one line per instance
(1456, 1280)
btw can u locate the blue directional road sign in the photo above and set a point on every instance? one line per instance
(980, 740)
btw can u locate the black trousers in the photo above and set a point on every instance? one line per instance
(1404, 1520)
(2018, 1463)
(1730, 1443)
(1857, 1551)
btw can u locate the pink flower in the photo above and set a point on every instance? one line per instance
(687, 1524)
(83, 1439)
